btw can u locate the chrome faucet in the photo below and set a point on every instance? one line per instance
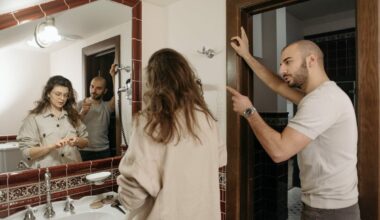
(22, 165)
(69, 207)
(49, 212)
(29, 213)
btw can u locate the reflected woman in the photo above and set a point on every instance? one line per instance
(52, 131)
(171, 168)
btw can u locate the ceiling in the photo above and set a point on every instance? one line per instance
(317, 8)
(14, 5)
(84, 21)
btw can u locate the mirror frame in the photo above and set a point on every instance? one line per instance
(18, 17)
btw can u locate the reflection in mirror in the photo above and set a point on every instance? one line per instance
(25, 67)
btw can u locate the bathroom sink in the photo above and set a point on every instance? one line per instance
(89, 216)
(82, 210)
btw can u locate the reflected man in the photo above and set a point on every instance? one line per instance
(96, 114)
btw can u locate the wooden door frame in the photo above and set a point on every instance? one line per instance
(368, 95)
(112, 42)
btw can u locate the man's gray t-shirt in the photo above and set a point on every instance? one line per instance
(97, 121)
(328, 164)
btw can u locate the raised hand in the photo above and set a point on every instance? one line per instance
(86, 105)
(113, 69)
(241, 44)
(239, 101)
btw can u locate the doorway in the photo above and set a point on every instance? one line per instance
(97, 59)
(239, 76)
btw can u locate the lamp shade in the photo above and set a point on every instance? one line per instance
(46, 33)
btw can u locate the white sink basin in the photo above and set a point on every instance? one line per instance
(89, 216)
(82, 210)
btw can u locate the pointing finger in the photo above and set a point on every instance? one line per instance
(233, 91)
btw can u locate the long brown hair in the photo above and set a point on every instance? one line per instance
(69, 106)
(172, 85)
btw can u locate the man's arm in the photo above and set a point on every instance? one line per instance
(111, 103)
(272, 80)
(279, 146)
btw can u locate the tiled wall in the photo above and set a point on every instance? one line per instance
(18, 189)
(7, 138)
(270, 188)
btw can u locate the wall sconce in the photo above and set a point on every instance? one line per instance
(46, 33)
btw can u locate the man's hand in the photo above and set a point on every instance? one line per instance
(86, 105)
(242, 48)
(113, 70)
(240, 102)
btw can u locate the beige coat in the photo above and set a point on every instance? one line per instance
(173, 181)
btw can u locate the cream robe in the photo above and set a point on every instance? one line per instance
(173, 181)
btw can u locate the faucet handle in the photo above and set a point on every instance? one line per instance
(29, 213)
(69, 205)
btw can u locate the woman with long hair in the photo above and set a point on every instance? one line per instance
(170, 170)
(52, 131)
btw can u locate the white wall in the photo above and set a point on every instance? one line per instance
(187, 26)
(23, 74)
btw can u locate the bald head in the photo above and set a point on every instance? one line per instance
(101, 80)
(306, 48)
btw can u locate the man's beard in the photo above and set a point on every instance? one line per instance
(300, 76)
(96, 97)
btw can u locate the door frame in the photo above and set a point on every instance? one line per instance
(112, 42)
(368, 99)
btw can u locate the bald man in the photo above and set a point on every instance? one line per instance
(96, 115)
(323, 133)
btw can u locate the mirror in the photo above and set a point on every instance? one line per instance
(25, 69)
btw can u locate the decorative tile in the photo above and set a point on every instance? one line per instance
(23, 178)
(6, 20)
(136, 106)
(12, 137)
(102, 190)
(130, 3)
(137, 11)
(53, 7)
(21, 192)
(136, 92)
(78, 168)
(29, 14)
(76, 3)
(100, 165)
(115, 162)
(79, 192)
(3, 138)
(136, 49)
(56, 172)
(56, 185)
(3, 180)
(3, 213)
(136, 70)
(76, 181)
(3, 196)
(55, 196)
(136, 28)
(115, 173)
(20, 205)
